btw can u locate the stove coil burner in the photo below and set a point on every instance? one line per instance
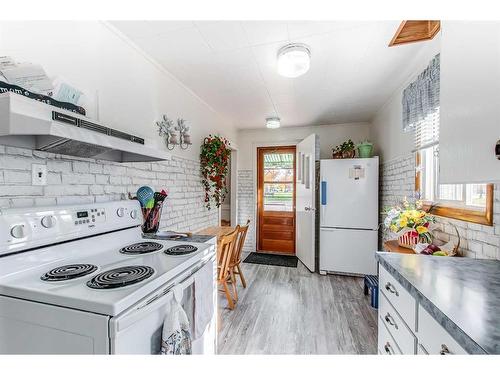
(141, 248)
(121, 276)
(68, 272)
(181, 250)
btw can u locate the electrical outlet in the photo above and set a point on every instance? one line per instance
(38, 174)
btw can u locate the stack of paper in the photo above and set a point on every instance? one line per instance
(31, 77)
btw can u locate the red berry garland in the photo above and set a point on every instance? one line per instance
(214, 160)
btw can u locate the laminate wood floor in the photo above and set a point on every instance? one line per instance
(293, 311)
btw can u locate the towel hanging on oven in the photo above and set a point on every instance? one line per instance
(176, 334)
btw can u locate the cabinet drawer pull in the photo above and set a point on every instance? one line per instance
(391, 289)
(388, 349)
(444, 350)
(389, 319)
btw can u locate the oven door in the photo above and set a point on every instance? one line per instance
(139, 329)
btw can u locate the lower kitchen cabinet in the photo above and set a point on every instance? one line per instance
(433, 338)
(386, 343)
(396, 326)
(405, 327)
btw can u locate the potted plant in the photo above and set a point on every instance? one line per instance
(346, 150)
(336, 152)
(365, 149)
(214, 161)
(410, 223)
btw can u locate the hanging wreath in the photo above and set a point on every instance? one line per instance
(214, 160)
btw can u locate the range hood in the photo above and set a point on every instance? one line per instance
(35, 125)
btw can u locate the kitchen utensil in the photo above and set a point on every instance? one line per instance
(144, 194)
(172, 235)
(159, 197)
(150, 203)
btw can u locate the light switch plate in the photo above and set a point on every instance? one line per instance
(38, 174)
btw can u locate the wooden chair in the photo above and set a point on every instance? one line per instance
(226, 248)
(234, 265)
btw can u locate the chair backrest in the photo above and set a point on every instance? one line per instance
(242, 234)
(227, 246)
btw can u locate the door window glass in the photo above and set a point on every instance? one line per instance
(278, 181)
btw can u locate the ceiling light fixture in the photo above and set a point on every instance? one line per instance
(273, 122)
(294, 60)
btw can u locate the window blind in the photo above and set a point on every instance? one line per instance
(421, 97)
(427, 131)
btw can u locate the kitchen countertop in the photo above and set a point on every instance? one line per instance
(462, 294)
(197, 238)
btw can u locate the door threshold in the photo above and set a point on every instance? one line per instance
(275, 253)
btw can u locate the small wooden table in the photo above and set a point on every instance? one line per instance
(218, 231)
(393, 247)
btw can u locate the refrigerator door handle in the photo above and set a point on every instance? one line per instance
(323, 193)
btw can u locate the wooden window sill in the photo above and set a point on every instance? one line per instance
(483, 217)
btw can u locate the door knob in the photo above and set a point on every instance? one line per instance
(309, 209)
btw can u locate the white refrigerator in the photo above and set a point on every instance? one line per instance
(348, 216)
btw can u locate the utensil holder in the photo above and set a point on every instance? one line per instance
(152, 217)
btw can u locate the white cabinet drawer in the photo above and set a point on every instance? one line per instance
(433, 337)
(402, 301)
(404, 338)
(386, 344)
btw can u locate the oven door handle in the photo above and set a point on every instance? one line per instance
(124, 321)
(178, 289)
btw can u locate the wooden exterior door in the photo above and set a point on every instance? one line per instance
(276, 199)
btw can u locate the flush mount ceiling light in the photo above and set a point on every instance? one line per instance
(293, 60)
(273, 122)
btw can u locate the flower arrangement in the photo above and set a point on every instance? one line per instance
(214, 160)
(410, 222)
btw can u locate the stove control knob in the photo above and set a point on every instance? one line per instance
(17, 231)
(133, 214)
(120, 212)
(48, 221)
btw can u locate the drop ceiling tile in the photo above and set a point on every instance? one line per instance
(300, 29)
(266, 55)
(184, 46)
(263, 32)
(134, 29)
(239, 58)
(166, 27)
(223, 35)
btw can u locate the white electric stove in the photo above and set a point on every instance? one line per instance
(82, 279)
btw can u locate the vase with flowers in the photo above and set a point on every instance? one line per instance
(410, 222)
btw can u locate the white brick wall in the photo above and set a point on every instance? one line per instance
(246, 205)
(477, 241)
(76, 180)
